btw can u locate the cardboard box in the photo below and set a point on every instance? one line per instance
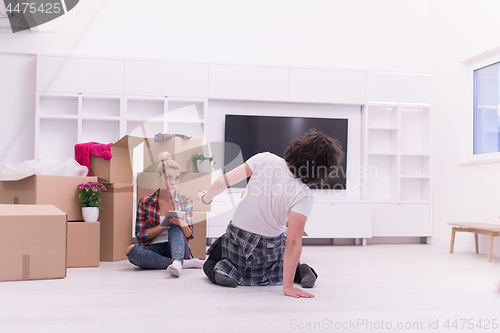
(33, 245)
(83, 244)
(60, 191)
(198, 244)
(116, 219)
(180, 149)
(190, 184)
(119, 168)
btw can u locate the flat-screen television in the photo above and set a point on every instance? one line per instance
(257, 134)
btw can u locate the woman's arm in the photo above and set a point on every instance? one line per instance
(232, 177)
(142, 233)
(186, 223)
(293, 249)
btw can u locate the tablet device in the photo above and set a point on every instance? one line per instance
(175, 213)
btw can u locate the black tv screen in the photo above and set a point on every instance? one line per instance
(257, 134)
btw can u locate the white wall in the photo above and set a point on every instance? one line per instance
(382, 34)
(17, 107)
(461, 193)
(395, 35)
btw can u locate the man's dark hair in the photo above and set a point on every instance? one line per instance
(313, 157)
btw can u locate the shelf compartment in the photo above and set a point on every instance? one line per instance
(100, 107)
(415, 189)
(58, 138)
(382, 140)
(100, 131)
(145, 109)
(189, 112)
(420, 166)
(147, 129)
(195, 130)
(415, 130)
(58, 105)
(381, 177)
(383, 116)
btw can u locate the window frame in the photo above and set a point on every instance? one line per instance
(467, 122)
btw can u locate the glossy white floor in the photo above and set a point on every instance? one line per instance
(372, 288)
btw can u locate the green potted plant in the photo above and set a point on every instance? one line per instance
(203, 163)
(90, 196)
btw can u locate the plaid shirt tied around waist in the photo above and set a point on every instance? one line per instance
(251, 259)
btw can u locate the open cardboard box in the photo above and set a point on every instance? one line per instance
(40, 252)
(181, 150)
(119, 168)
(60, 191)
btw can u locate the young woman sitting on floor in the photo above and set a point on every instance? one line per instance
(164, 247)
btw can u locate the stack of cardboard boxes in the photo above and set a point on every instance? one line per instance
(181, 150)
(32, 208)
(40, 215)
(116, 215)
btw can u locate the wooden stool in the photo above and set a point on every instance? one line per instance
(493, 230)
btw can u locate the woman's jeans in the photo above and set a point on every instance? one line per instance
(161, 255)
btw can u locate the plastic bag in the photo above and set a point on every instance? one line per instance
(70, 167)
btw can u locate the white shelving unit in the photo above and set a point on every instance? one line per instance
(399, 160)
(64, 120)
(82, 99)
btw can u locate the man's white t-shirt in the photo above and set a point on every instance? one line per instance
(271, 194)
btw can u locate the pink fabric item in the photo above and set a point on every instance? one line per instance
(84, 150)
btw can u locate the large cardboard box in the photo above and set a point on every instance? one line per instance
(33, 244)
(190, 184)
(198, 244)
(180, 149)
(83, 244)
(60, 191)
(119, 168)
(116, 217)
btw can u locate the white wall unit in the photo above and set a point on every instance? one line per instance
(399, 164)
(221, 213)
(389, 136)
(327, 86)
(79, 75)
(399, 88)
(105, 119)
(391, 219)
(154, 78)
(340, 220)
(248, 83)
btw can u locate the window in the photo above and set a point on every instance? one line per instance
(487, 109)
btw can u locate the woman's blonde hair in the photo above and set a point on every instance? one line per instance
(166, 161)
